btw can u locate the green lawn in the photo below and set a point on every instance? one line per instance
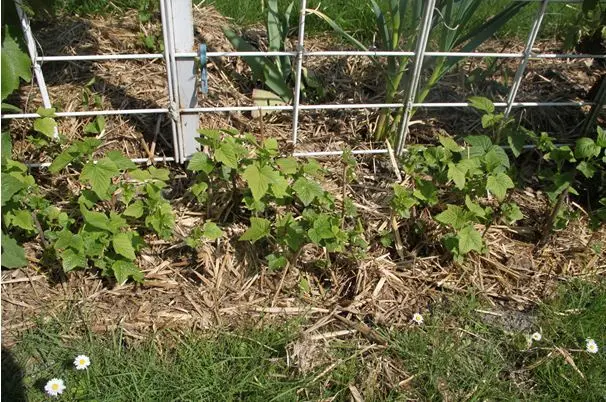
(457, 354)
(355, 16)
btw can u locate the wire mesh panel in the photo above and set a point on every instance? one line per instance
(182, 71)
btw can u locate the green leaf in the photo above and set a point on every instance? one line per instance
(475, 208)
(123, 245)
(259, 178)
(511, 213)
(134, 210)
(162, 220)
(7, 107)
(200, 162)
(99, 176)
(481, 103)
(587, 169)
(450, 144)
(226, 154)
(601, 139)
(159, 174)
(491, 120)
(307, 190)
(586, 148)
(288, 165)
(516, 142)
(121, 161)
(46, 112)
(14, 61)
(259, 228)
(124, 269)
(498, 185)
(456, 174)
(96, 219)
(13, 255)
(10, 186)
(275, 262)
(46, 126)
(7, 147)
(496, 159)
(71, 259)
(480, 144)
(96, 126)
(454, 216)
(23, 219)
(199, 191)
(426, 191)
(211, 231)
(402, 201)
(469, 240)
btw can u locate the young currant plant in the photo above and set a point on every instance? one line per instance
(116, 198)
(287, 208)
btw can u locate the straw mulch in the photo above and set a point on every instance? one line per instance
(226, 283)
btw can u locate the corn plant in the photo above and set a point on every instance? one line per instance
(452, 25)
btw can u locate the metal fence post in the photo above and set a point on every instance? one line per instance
(181, 39)
(298, 71)
(416, 74)
(534, 31)
(33, 55)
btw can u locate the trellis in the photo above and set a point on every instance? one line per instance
(177, 32)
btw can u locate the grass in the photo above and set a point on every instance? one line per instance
(355, 16)
(456, 355)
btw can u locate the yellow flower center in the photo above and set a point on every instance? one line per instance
(82, 362)
(55, 387)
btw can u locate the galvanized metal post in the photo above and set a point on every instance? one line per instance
(297, 94)
(181, 39)
(534, 31)
(416, 74)
(33, 55)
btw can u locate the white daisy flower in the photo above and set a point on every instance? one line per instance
(54, 387)
(81, 362)
(591, 346)
(536, 336)
(418, 318)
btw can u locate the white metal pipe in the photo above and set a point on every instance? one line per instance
(134, 160)
(534, 31)
(298, 72)
(33, 55)
(169, 77)
(338, 153)
(223, 109)
(416, 74)
(322, 53)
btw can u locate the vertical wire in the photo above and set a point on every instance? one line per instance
(297, 94)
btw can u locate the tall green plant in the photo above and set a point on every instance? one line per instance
(452, 25)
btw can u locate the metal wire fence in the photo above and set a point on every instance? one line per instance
(177, 32)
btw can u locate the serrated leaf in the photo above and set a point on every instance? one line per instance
(288, 165)
(121, 161)
(13, 255)
(134, 210)
(71, 259)
(14, 61)
(601, 139)
(259, 178)
(511, 213)
(226, 154)
(469, 240)
(475, 208)
(275, 262)
(516, 142)
(159, 174)
(10, 186)
(123, 245)
(46, 126)
(496, 159)
(454, 216)
(456, 174)
(426, 191)
(211, 231)
(480, 144)
(587, 169)
(450, 144)
(307, 190)
(99, 176)
(499, 184)
(259, 228)
(200, 162)
(586, 148)
(23, 219)
(481, 103)
(126, 269)
(96, 219)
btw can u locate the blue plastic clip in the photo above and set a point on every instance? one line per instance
(203, 71)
